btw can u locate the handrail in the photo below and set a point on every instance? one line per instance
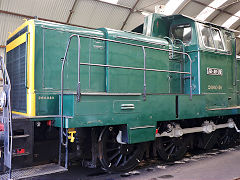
(62, 85)
(125, 67)
(171, 43)
(7, 83)
(144, 74)
(183, 58)
(112, 66)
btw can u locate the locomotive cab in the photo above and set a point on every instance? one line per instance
(180, 31)
(212, 51)
(218, 65)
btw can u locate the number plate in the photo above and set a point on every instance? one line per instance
(214, 71)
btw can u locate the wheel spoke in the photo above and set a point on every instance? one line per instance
(227, 138)
(169, 146)
(171, 151)
(112, 149)
(114, 155)
(119, 159)
(124, 160)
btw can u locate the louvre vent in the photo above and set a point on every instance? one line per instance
(16, 59)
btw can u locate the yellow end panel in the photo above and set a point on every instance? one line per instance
(16, 42)
(31, 97)
(31, 103)
(18, 29)
(20, 113)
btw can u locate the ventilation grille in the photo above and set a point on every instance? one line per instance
(16, 67)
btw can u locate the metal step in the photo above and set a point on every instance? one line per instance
(34, 171)
(20, 154)
(21, 136)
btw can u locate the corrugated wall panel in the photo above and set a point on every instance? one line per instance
(8, 23)
(50, 9)
(134, 20)
(146, 5)
(97, 14)
(127, 3)
(192, 9)
(221, 18)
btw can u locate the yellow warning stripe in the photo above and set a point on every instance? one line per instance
(20, 40)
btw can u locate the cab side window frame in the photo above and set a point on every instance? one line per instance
(187, 25)
(213, 44)
(228, 41)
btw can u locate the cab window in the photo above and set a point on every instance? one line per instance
(217, 39)
(206, 36)
(182, 32)
(228, 41)
(211, 37)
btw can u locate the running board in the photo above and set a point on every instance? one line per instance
(34, 171)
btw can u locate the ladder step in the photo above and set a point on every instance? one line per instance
(20, 154)
(34, 171)
(21, 136)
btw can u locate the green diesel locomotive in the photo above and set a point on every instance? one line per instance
(106, 96)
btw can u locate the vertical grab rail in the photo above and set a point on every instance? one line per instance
(183, 56)
(7, 114)
(144, 74)
(62, 89)
(167, 38)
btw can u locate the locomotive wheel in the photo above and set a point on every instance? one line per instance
(228, 138)
(171, 149)
(116, 157)
(207, 141)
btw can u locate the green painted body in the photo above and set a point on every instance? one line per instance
(161, 87)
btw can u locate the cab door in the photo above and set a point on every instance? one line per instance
(217, 68)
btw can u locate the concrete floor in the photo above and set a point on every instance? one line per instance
(214, 165)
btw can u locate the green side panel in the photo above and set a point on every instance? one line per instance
(125, 80)
(53, 52)
(92, 108)
(108, 110)
(47, 104)
(51, 42)
(216, 100)
(194, 108)
(232, 99)
(68, 105)
(141, 134)
(157, 82)
(174, 79)
(131, 81)
(50, 48)
(216, 83)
